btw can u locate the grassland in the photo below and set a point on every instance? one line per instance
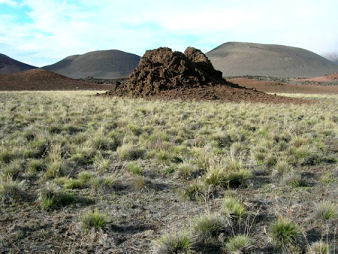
(86, 174)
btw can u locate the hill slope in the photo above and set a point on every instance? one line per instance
(239, 58)
(39, 79)
(9, 65)
(105, 64)
(332, 57)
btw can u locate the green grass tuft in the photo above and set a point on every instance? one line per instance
(94, 219)
(326, 210)
(134, 169)
(231, 207)
(238, 244)
(6, 156)
(51, 199)
(208, 227)
(194, 191)
(284, 232)
(175, 243)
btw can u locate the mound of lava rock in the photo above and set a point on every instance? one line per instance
(164, 69)
(166, 74)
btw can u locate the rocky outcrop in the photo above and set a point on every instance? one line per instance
(163, 69)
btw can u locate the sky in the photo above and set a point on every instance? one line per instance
(41, 32)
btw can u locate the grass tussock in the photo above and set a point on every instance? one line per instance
(51, 199)
(238, 244)
(284, 232)
(12, 191)
(233, 208)
(130, 152)
(208, 227)
(227, 174)
(326, 210)
(177, 242)
(94, 219)
(318, 248)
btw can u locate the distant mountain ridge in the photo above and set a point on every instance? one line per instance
(241, 58)
(9, 65)
(102, 64)
(232, 58)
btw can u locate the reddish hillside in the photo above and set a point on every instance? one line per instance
(39, 79)
(282, 87)
(326, 78)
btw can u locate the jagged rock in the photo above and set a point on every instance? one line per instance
(164, 69)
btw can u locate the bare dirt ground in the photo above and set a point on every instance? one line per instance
(223, 93)
(326, 78)
(313, 85)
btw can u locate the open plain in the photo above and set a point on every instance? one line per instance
(88, 174)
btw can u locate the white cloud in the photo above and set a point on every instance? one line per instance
(61, 28)
(9, 2)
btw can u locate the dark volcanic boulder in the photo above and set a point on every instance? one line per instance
(164, 69)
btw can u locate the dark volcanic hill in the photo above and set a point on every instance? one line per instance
(39, 79)
(239, 58)
(103, 64)
(9, 65)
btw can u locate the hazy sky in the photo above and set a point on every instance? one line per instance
(42, 32)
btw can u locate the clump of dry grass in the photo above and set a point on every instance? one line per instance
(94, 219)
(50, 198)
(130, 152)
(284, 232)
(177, 242)
(12, 191)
